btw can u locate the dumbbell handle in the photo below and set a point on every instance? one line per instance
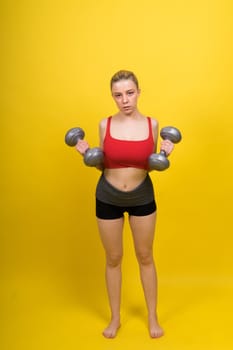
(163, 152)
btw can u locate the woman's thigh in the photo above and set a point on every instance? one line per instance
(143, 231)
(111, 235)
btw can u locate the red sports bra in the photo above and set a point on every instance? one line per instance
(124, 153)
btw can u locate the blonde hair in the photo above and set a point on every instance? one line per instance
(124, 75)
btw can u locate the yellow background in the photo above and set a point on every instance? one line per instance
(56, 62)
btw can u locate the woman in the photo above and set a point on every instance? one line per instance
(127, 139)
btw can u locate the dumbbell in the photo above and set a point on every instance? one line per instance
(92, 156)
(159, 161)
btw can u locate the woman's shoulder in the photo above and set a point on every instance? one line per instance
(154, 122)
(103, 123)
(155, 128)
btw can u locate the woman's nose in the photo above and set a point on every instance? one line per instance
(125, 98)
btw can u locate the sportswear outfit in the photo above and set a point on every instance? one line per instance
(111, 203)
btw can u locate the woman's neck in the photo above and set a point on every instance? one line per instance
(135, 115)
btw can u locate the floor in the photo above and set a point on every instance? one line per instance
(41, 314)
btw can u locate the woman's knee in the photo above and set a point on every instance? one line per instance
(145, 257)
(114, 259)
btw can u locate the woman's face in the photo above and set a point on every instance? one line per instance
(125, 93)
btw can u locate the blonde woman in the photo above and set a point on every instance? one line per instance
(127, 138)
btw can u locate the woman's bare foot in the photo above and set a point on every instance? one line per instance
(111, 330)
(154, 328)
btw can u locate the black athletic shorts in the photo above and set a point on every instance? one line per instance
(109, 211)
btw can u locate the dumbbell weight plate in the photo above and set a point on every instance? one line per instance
(93, 156)
(158, 161)
(171, 133)
(73, 135)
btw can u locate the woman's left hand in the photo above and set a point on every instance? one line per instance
(167, 146)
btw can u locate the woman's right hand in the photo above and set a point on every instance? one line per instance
(82, 146)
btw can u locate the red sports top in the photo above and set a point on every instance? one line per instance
(123, 153)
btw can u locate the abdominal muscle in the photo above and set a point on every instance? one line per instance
(125, 179)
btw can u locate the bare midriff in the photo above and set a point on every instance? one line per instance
(125, 179)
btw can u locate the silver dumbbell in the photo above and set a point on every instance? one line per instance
(92, 156)
(159, 161)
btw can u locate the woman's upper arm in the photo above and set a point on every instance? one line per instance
(102, 131)
(155, 129)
